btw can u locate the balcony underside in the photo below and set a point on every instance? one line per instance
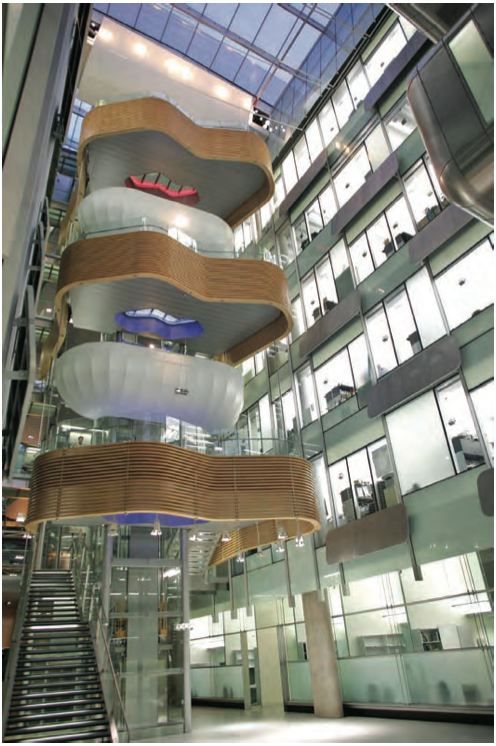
(243, 305)
(230, 169)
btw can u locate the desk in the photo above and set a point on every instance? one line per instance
(338, 395)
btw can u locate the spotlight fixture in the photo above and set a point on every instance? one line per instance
(260, 118)
(113, 529)
(27, 536)
(299, 541)
(240, 557)
(156, 530)
(225, 536)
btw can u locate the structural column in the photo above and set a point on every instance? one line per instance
(186, 618)
(324, 674)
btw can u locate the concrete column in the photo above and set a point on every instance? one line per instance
(322, 660)
(270, 669)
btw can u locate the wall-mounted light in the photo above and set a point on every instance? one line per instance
(226, 537)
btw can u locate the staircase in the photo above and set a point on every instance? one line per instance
(57, 695)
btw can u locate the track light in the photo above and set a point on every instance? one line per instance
(156, 530)
(193, 536)
(280, 546)
(281, 533)
(225, 536)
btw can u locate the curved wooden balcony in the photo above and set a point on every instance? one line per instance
(230, 169)
(243, 305)
(145, 477)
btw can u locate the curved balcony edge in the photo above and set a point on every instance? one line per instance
(139, 476)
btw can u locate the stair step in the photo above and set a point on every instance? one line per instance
(92, 715)
(51, 727)
(101, 733)
(87, 684)
(66, 655)
(34, 677)
(90, 695)
(91, 704)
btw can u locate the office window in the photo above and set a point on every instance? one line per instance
(266, 424)
(301, 234)
(311, 301)
(314, 220)
(325, 284)
(298, 323)
(328, 123)
(341, 492)
(321, 485)
(395, 333)
(306, 395)
(343, 105)
(464, 444)
(289, 172)
(390, 47)
(302, 156)
(341, 270)
(377, 147)
(239, 243)
(352, 176)
(380, 241)
(314, 140)
(421, 196)
(361, 258)
(401, 322)
(419, 444)
(467, 287)
(483, 400)
(400, 124)
(400, 222)
(285, 417)
(358, 84)
(380, 341)
(279, 192)
(425, 308)
(363, 483)
(335, 382)
(248, 369)
(266, 213)
(286, 250)
(360, 365)
(327, 203)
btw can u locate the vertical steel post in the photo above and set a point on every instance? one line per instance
(186, 619)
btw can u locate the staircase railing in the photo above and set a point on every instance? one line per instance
(85, 577)
(15, 644)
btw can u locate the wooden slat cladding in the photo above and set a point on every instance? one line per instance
(158, 256)
(144, 477)
(206, 143)
(258, 535)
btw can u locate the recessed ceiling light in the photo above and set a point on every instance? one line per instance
(221, 91)
(105, 34)
(140, 50)
(181, 221)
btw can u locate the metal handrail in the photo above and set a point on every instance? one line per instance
(94, 622)
(100, 614)
(15, 644)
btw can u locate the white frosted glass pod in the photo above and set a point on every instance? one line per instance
(112, 379)
(116, 208)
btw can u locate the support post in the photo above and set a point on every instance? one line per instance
(40, 540)
(186, 619)
(107, 574)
